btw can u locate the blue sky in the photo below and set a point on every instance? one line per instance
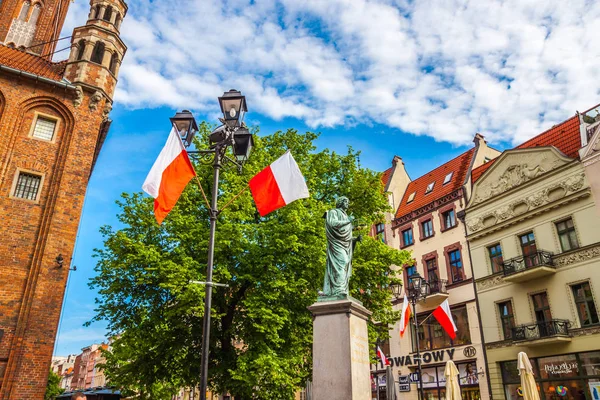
(416, 79)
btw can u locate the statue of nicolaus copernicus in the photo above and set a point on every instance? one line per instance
(340, 246)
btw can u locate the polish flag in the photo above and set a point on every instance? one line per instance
(278, 185)
(444, 317)
(169, 175)
(382, 357)
(405, 316)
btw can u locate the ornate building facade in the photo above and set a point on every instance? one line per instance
(426, 222)
(533, 232)
(53, 122)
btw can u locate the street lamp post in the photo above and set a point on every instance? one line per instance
(231, 134)
(416, 290)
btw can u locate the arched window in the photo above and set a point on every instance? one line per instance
(35, 14)
(24, 11)
(113, 63)
(98, 53)
(107, 14)
(118, 21)
(81, 49)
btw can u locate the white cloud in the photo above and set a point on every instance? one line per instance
(443, 68)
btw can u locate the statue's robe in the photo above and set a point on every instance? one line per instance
(338, 228)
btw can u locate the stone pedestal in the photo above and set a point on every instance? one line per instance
(341, 369)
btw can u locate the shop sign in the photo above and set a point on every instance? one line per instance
(562, 368)
(469, 351)
(414, 377)
(404, 383)
(426, 358)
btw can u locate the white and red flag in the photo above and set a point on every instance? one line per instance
(444, 317)
(278, 185)
(169, 175)
(382, 357)
(405, 316)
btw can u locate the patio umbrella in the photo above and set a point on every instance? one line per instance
(528, 385)
(452, 385)
(389, 381)
(309, 395)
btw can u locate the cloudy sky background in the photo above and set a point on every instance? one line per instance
(417, 79)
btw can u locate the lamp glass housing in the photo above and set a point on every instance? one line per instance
(243, 142)
(185, 124)
(233, 107)
(396, 289)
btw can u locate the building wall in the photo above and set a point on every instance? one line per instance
(533, 201)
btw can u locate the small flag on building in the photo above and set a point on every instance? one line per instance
(278, 185)
(405, 316)
(169, 175)
(444, 317)
(382, 357)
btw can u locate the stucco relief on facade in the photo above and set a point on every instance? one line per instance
(489, 282)
(541, 197)
(578, 256)
(520, 168)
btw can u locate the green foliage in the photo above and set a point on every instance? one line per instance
(53, 388)
(261, 334)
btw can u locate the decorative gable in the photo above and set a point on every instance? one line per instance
(514, 168)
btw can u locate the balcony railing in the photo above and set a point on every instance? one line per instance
(438, 286)
(540, 258)
(541, 330)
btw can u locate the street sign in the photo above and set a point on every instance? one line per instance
(404, 383)
(414, 377)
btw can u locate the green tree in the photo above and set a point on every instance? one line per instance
(53, 388)
(261, 335)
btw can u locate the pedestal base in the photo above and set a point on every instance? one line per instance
(341, 369)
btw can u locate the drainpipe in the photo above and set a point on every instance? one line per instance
(461, 215)
(63, 85)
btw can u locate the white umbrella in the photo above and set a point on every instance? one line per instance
(528, 385)
(452, 385)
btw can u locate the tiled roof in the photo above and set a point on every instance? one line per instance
(458, 166)
(31, 63)
(385, 177)
(564, 136)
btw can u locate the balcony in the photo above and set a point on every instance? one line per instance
(542, 333)
(532, 266)
(437, 291)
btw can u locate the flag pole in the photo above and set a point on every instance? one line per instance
(202, 190)
(235, 197)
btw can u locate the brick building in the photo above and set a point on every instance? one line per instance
(53, 121)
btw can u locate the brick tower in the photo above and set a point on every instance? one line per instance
(53, 122)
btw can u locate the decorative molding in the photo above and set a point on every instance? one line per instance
(489, 281)
(580, 255)
(95, 99)
(514, 175)
(428, 208)
(586, 331)
(499, 345)
(78, 96)
(538, 199)
(107, 109)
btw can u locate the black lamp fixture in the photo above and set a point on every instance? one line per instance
(233, 107)
(418, 288)
(243, 142)
(396, 290)
(185, 124)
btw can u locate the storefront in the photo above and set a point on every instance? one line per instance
(567, 376)
(434, 382)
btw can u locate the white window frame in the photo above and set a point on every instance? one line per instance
(448, 178)
(430, 187)
(16, 179)
(36, 116)
(411, 197)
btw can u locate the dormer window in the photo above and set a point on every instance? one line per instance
(448, 178)
(429, 187)
(411, 198)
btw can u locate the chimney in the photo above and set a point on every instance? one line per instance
(478, 139)
(396, 160)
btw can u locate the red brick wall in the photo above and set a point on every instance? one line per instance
(33, 234)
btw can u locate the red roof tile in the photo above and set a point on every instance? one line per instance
(564, 136)
(385, 177)
(31, 63)
(458, 166)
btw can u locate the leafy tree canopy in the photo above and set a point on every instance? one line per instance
(53, 388)
(261, 334)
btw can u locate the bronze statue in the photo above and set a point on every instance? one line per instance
(340, 246)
